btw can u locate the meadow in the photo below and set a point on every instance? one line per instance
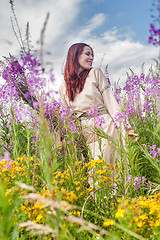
(45, 163)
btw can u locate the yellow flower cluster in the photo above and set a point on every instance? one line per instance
(75, 212)
(71, 196)
(142, 212)
(36, 211)
(109, 222)
(11, 171)
(16, 170)
(101, 172)
(120, 213)
(67, 195)
(73, 183)
(94, 163)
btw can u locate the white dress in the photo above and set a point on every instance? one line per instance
(96, 93)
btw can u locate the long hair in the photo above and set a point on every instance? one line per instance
(74, 81)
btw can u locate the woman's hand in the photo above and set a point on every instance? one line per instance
(131, 133)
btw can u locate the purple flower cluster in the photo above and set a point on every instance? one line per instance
(28, 78)
(16, 76)
(68, 119)
(63, 116)
(140, 95)
(25, 79)
(93, 113)
(12, 72)
(122, 118)
(33, 73)
(154, 37)
(155, 152)
(137, 182)
(118, 94)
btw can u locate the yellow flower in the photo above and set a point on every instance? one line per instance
(157, 223)
(37, 206)
(140, 224)
(62, 181)
(89, 189)
(120, 213)
(78, 213)
(78, 188)
(39, 217)
(153, 208)
(117, 165)
(72, 196)
(143, 216)
(22, 207)
(108, 223)
(101, 172)
(7, 191)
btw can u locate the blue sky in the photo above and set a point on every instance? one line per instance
(117, 30)
(131, 14)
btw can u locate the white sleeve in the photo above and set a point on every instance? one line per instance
(108, 98)
(107, 95)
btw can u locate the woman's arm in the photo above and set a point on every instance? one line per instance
(110, 102)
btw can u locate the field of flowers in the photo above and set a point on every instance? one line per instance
(46, 166)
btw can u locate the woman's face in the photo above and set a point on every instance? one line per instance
(85, 59)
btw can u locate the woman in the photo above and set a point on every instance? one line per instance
(85, 88)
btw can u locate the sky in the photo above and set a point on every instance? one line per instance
(117, 30)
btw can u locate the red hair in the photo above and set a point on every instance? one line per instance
(73, 80)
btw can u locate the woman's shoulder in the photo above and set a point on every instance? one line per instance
(96, 72)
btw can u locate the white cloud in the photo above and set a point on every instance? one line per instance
(96, 21)
(62, 16)
(123, 55)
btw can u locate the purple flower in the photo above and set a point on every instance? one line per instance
(144, 179)
(8, 166)
(27, 95)
(154, 30)
(129, 179)
(154, 37)
(73, 127)
(10, 147)
(52, 78)
(35, 105)
(99, 121)
(137, 182)
(154, 152)
(93, 112)
(7, 156)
